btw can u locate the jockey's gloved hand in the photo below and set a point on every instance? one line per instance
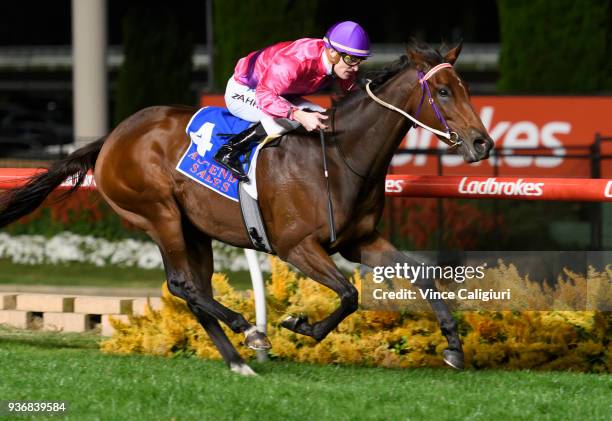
(310, 120)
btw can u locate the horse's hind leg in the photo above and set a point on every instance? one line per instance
(201, 261)
(169, 234)
(162, 221)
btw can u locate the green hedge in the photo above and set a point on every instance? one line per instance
(558, 46)
(241, 27)
(158, 58)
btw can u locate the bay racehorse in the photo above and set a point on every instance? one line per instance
(134, 169)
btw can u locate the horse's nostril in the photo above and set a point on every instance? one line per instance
(480, 145)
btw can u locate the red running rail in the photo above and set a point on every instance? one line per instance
(11, 178)
(513, 188)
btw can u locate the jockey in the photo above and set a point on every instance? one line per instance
(267, 86)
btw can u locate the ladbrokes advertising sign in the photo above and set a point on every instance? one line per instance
(524, 188)
(492, 187)
(552, 125)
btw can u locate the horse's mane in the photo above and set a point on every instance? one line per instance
(380, 77)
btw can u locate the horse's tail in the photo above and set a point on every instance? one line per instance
(21, 201)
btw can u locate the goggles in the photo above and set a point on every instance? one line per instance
(350, 60)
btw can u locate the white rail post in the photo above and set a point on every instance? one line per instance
(260, 297)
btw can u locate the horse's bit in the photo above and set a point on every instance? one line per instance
(452, 137)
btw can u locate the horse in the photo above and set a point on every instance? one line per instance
(134, 169)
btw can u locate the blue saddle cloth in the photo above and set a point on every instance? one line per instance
(197, 163)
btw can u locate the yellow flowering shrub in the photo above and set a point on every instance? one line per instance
(541, 340)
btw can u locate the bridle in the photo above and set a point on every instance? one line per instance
(451, 136)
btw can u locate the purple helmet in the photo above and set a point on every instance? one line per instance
(348, 37)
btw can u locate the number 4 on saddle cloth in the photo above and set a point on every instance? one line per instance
(209, 129)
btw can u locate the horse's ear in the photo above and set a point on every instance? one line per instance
(417, 58)
(453, 53)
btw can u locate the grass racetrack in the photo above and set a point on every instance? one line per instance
(53, 366)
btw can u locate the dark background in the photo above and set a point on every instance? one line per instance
(240, 26)
(34, 22)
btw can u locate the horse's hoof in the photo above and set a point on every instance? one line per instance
(256, 340)
(292, 322)
(453, 358)
(242, 369)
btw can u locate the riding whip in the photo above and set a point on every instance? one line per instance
(330, 212)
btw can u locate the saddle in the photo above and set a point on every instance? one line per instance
(209, 129)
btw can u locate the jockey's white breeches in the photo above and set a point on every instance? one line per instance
(240, 101)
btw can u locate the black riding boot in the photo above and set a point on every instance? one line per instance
(227, 155)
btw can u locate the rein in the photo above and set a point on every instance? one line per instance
(343, 155)
(451, 136)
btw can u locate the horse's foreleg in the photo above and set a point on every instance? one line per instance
(379, 252)
(315, 263)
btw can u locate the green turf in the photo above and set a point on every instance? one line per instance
(89, 275)
(38, 366)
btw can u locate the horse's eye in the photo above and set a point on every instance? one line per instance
(443, 92)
